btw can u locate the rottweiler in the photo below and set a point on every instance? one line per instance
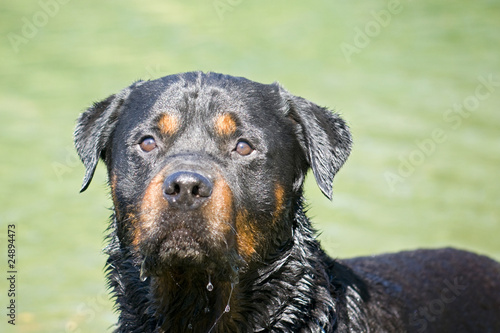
(209, 232)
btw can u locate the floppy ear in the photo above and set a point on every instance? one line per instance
(93, 129)
(324, 136)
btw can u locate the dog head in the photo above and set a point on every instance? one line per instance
(205, 169)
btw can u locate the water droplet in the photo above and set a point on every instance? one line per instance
(228, 308)
(210, 286)
(143, 275)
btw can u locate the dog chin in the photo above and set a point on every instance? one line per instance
(185, 252)
(179, 252)
(177, 248)
(191, 264)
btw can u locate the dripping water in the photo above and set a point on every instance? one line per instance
(234, 281)
(210, 286)
(142, 276)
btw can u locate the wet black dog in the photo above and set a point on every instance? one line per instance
(209, 232)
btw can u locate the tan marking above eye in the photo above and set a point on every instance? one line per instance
(168, 124)
(225, 125)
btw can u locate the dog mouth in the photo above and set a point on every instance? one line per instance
(183, 251)
(184, 242)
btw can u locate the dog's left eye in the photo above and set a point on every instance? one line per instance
(243, 148)
(147, 144)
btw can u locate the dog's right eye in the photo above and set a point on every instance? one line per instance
(243, 148)
(147, 144)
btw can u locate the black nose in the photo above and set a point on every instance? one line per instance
(186, 189)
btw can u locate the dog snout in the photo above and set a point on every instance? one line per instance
(187, 189)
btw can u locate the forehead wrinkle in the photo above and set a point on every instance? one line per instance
(169, 101)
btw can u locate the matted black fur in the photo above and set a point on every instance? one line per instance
(209, 232)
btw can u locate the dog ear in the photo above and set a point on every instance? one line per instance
(324, 136)
(93, 130)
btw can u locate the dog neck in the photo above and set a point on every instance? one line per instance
(195, 301)
(266, 295)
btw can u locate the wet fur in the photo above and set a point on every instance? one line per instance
(289, 284)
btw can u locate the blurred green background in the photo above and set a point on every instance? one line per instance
(418, 82)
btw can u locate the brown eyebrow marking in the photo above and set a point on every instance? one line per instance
(168, 124)
(225, 125)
